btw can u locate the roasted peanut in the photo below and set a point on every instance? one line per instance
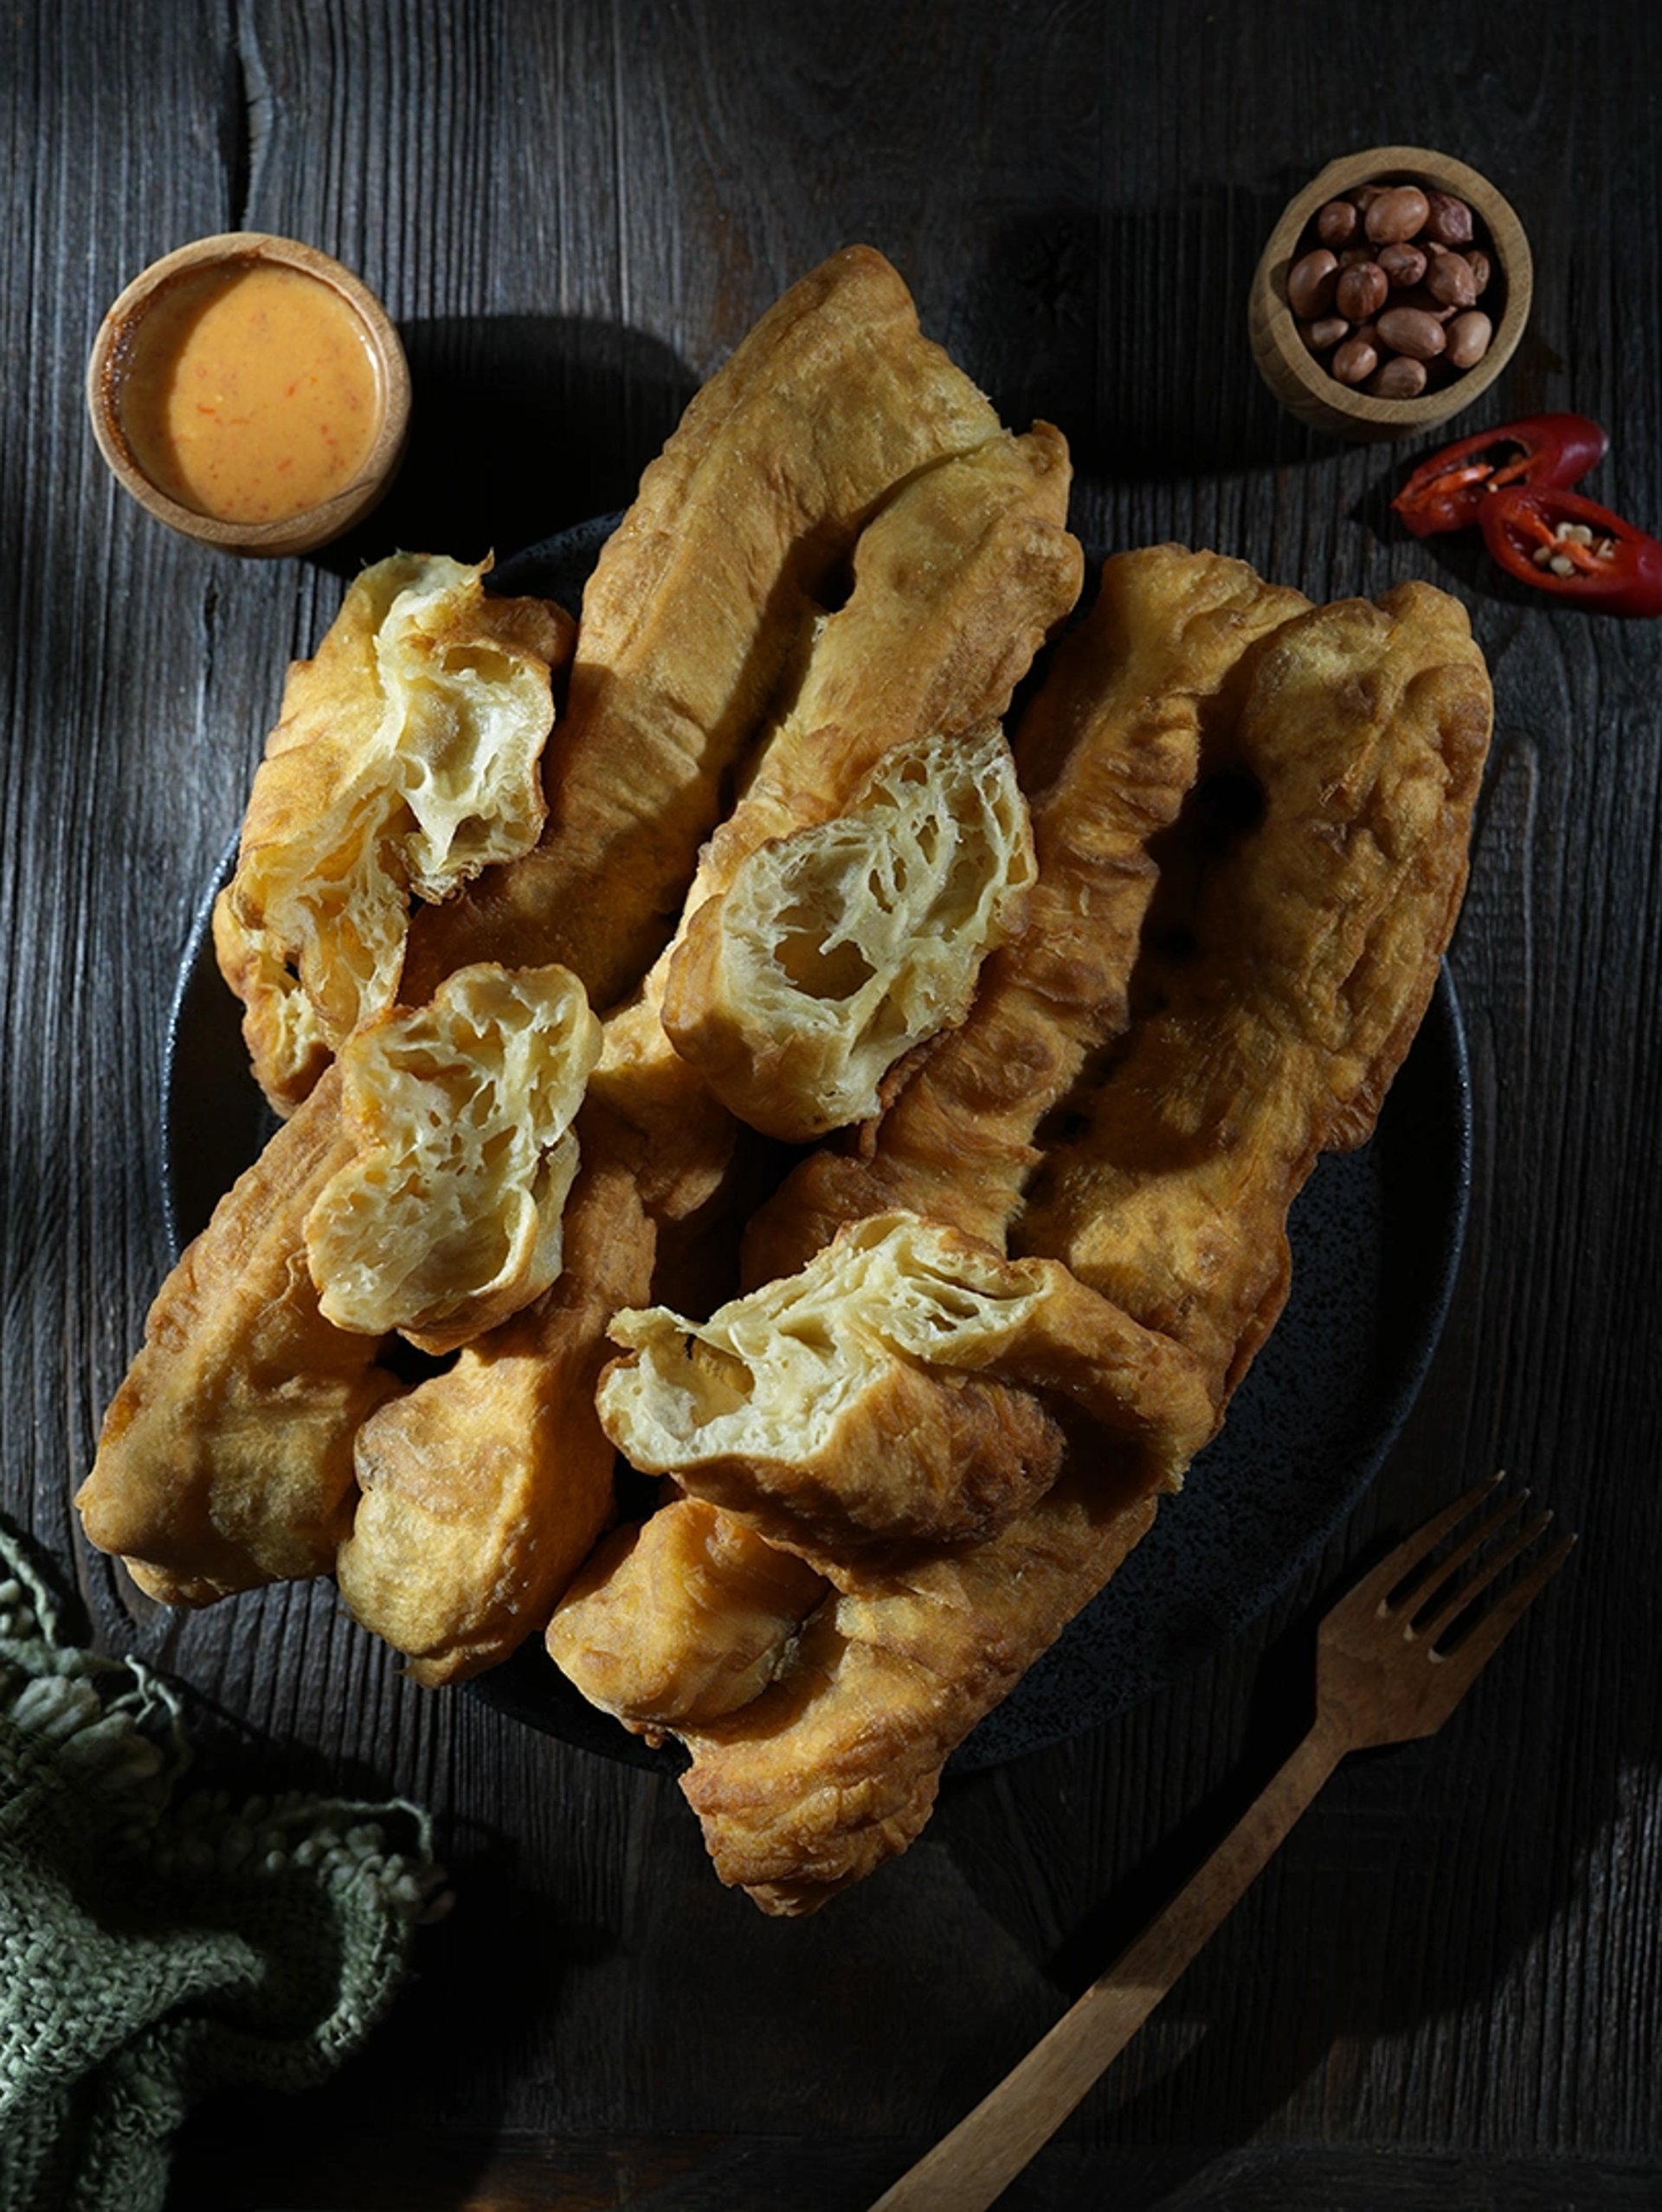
(1398, 213)
(1362, 291)
(1469, 336)
(1326, 331)
(1403, 263)
(1448, 221)
(1401, 378)
(1412, 331)
(1477, 262)
(1336, 223)
(1311, 281)
(1449, 279)
(1357, 358)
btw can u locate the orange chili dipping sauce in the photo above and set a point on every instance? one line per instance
(249, 393)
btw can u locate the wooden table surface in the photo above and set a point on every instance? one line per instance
(1445, 1992)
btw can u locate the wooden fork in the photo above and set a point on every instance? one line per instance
(1387, 1669)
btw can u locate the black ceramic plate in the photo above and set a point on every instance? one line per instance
(1375, 1238)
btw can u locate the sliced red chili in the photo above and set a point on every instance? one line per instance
(1449, 491)
(1574, 548)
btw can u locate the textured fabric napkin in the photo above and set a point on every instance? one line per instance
(155, 1941)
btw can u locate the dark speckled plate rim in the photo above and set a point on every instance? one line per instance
(1232, 1543)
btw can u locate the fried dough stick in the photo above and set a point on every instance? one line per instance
(1106, 751)
(836, 1765)
(226, 1456)
(683, 1617)
(696, 610)
(1366, 728)
(407, 756)
(485, 1489)
(891, 1396)
(957, 582)
(1314, 953)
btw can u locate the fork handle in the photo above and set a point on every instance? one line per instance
(971, 2167)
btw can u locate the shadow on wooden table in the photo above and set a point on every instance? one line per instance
(1055, 326)
(522, 425)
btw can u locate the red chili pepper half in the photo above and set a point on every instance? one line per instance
(1449, 492)
(1574, 548)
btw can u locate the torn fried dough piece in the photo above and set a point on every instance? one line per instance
(1107, 749)
(835, 1766)
(448, 1219)
(1304, 964)
(681, 1618)
(698, 607)
(878, 1403)
(485, 1487)
(226, 1456)
(837, 949)
(406, 759)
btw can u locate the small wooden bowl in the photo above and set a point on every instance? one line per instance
(1293, 372)
(315, 525)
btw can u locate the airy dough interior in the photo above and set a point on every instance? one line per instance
(774, 1371)
(406, 760)
(840, 948)
(448, 1219)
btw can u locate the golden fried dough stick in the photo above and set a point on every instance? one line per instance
(881, 1400)
(1107, 749)
(835, 1766)
(1308, 956)
(405, 760)
(681, 1617)
(956, 581)
(448, 1219)
(485, 1487)
(697, 609)
(226, 1458)
(851, 1409)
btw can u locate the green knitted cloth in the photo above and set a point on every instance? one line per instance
(156, 1942)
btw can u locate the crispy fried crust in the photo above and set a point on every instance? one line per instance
(406, 759)
(226, 1458)
(835, 1766)
(695, 630)
(1308, 952)
(697, 609)
(485, 1489)
(681, 1617)
(1106, 752)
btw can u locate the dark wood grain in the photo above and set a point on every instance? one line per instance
(1447, 1989)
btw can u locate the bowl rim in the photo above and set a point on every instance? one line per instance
(312, 526)
(1424, 166)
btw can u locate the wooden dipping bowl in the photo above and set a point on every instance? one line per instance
(233, 252)
(1295, 375)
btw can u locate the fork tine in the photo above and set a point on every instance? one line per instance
(1452, 1603)
(1474, 1651)
(1380, 1581)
